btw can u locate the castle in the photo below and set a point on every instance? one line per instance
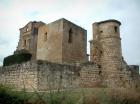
(60, 41)
(60, 61)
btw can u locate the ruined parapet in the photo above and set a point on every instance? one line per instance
(134, 68)
(28, 38)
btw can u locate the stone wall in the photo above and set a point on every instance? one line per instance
(20, 76)
(39, 75)
(28, 38)
(90, 75)
(57, 76)
(42, 76)
(62, 42)
(49, 46)
(74, 45)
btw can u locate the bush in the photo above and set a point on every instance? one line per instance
(56, 97)
(90, 99)
(124, 96)
(7, 96)
(16, 59)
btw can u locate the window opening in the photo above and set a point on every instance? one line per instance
(101, 31)
(116, 29)
(46, 36)
(70, 36)
(27, 29)
(24, 43)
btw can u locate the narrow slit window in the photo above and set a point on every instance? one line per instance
(70, 36)
(24, 44)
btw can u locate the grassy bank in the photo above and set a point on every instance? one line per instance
(79, 96)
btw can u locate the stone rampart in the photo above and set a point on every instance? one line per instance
(39, 75)
(43, 76)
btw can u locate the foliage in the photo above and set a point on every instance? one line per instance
(79, 96)
(7, 96)
(16, 59)
(124, 96)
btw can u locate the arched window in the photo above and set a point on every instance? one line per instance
(70, 36)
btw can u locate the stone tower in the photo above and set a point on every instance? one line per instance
(62, 42)
(28, 38)
(106, 49)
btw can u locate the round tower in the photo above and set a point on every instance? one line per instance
(110, 48)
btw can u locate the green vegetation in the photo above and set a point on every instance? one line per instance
(7, 96)
(124, 96)
(16, 59)
(78, 96)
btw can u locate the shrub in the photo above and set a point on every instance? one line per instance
(59, 98)
(7, 96)
(16, 59)
(90, 99)
(124, 96)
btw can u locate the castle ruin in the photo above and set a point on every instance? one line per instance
(59, 58)
(60, 41)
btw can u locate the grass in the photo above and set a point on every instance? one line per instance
(124, 96)
(78, 96)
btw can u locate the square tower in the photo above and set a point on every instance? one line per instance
(62, 42)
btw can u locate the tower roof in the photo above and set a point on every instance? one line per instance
(110, 20)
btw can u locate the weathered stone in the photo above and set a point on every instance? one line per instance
(107, 53)
(60, 41)
(62, 47)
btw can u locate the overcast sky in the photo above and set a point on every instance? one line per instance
(14, 14)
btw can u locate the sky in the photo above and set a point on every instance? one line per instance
(15, 14)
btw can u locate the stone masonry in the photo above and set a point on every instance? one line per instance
(28, 38)
(59, 59)
(40, 76)
(60, 41)
(43, 76)
(106, 51)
